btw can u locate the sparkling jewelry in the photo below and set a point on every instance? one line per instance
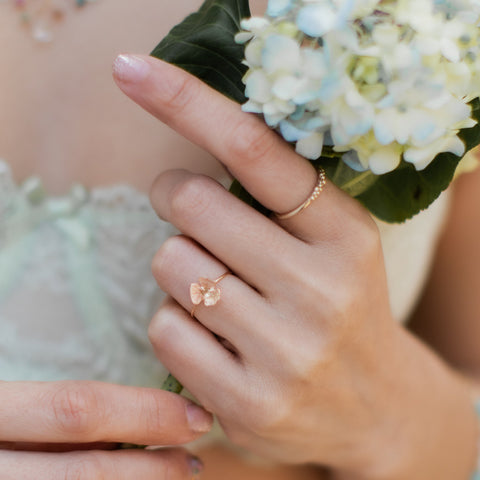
(206, 291)
(321, 182)
(40, 16)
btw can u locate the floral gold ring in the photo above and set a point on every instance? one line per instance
(320, 185)
(206, 291)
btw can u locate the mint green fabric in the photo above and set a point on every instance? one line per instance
(76, 290)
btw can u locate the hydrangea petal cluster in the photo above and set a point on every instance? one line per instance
(376, 80)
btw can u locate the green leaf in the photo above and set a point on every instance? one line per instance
(401, 194)
(350, 181)
(203, 44)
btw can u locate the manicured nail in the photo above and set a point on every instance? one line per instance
(130, 69)
(196, 467)
(200, 421)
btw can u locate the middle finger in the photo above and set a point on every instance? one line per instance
(241, 315)
(253, 247)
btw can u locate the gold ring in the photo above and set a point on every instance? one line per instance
(206, 291)
(321, 182)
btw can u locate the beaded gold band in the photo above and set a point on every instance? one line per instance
(206, 291)
(321, 182)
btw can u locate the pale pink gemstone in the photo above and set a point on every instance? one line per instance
(196, 293)
(205, 290)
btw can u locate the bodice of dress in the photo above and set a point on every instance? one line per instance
(76, 290)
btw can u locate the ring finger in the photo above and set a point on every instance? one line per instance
(181, 262)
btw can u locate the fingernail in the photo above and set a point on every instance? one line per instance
(196, 467)
(130, 69)
(200, 421)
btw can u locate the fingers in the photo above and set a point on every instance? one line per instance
(193, 355)
(249, 149)
(56, 447)
(270, 170)
(241, 316)
(172, 464)
(85, 412)
(233, 232)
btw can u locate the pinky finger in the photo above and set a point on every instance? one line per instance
(171, 464)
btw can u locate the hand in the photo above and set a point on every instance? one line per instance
(82, 420)
(313, 368)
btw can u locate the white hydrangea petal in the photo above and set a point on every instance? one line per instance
(272, 120)
(258, 87)
(385, 159)
(311, 147)
(352, 159)
(280, 53)
(252, 107)
(243, 37)
(313, 63)
(399, 82)
(291, 133)
(450, 50)
(384, 126)
(279, 7)
(253, 53)
(316, 20)
(422, 157)
(288, 86)
(468, 123)
(254, 24)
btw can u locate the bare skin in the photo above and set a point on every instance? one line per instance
(53, 95)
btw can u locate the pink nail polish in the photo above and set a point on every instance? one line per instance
(199, 420)
(130, 68)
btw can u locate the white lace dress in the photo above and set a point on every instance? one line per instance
(76, 292)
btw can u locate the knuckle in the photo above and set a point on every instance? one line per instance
(159, 326)
(271, 416)
(76, 408)
(302, 366)
(268, 408)
(177, 95)
(167, 256)
(85, 468)
(250, 144)
(190, 199)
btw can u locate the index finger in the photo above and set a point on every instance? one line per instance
(85, 412)
(265, 164)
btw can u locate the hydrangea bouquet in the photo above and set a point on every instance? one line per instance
(384, 94)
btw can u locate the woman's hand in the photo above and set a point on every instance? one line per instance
(63, 431)
(313, 368)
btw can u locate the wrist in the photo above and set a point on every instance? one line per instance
(428, 428)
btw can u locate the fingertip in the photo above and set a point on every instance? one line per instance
(199, 420)
(130, 69)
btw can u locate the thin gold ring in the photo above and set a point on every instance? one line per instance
(319, 187)
(206, 291)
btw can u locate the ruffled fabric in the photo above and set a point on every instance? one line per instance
(76, 290)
